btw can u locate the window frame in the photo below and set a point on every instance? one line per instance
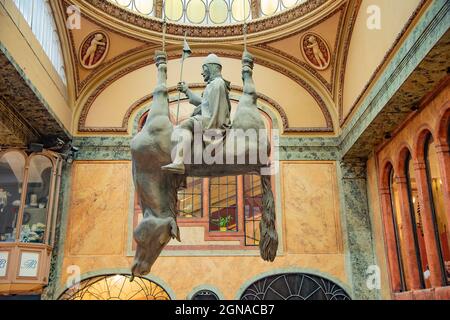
(398, 247)
(52, 205)
(428, 141)
(407, 173)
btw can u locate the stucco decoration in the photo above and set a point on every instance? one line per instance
(94, 49)
(315, 50)
(152, 147)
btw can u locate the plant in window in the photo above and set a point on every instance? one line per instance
(222, 222)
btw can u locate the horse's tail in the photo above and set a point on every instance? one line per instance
(268, 243)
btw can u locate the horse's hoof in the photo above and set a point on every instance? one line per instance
(174, 168)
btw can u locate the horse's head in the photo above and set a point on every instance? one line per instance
(152, 235)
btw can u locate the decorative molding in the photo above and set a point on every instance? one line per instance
(395, 45)
(321, 103)
(86, 45)
(254, 26)
(323, 46)
(289, 149)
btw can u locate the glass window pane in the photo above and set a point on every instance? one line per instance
(12, 166)
(435, 184)
(397, 221)
(34, 221)
(144, 6)
(416, 219)
(196, 11)
(190, 199)
(39, 17)
(218, 11)
(174, 10)
(269, 7)
(252, 209)
(223, 214)
(240, 10)
(124, 3)
(289, 3)
(116, 287)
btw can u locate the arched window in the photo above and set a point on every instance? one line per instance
(38, 14)
(448, 134)
(205, 295)
(12, 168)
(294, 286)
(416, 220)
(26, 197)
(397, 222)
(35, 214)
(116, 287)
(436, 203)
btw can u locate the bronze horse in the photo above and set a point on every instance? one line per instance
(157, 190)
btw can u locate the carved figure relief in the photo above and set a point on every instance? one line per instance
(315, 50)
(94, 49)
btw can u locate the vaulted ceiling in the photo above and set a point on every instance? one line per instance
(275, 41)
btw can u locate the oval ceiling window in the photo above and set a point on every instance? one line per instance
(196, 11)
(174, 10)
(269, 7)
(218, 11)
(144, 6)
(240, 10)
(207, 12)
(124, 3)
(289, 3)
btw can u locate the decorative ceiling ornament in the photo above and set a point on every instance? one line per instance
(208, 31)
(94, 49)
(315, 50)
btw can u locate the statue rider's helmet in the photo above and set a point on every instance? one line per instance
(212, 59)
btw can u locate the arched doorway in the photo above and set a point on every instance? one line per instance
(294, 286)
(116, 287)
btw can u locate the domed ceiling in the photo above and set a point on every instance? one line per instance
(206, 12)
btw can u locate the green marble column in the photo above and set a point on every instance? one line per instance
(357, 227)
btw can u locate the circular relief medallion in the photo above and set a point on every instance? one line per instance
(315, 50)
(94, 49)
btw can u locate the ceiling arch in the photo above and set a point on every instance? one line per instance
(305, 96)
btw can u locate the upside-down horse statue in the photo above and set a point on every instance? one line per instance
(157, 178)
